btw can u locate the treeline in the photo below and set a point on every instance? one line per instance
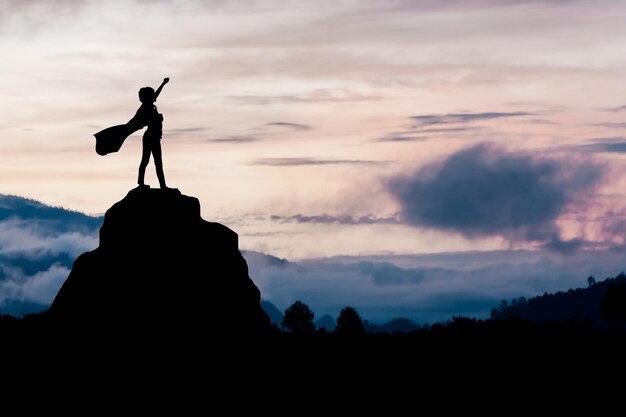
(600, 307)
(601, 304)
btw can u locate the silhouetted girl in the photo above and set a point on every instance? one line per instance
(148, 115)
(111, 139)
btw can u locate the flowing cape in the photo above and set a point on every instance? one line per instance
(112, 138)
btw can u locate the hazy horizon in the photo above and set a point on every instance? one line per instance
(332, 129)
(38, 248)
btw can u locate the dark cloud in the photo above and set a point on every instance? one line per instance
(540, 122)
(235, 139)
(283, 162)
(566, 247)
(412, 135)
(342, 219)
(444, 129)
(255, 135)
(402, 138)
(484, 191)
(610, 125)
(615, 109)
(295, 126)
(613, 228)
(614, 147)
(433, 119)
(609, 145)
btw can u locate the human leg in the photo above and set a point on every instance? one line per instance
(158, 163)
(145, 158)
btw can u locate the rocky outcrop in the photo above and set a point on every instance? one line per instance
(159, 265)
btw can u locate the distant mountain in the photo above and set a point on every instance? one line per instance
(38, 244)
(582, 305)
(327, 322)
(19, 308)
(53, 220)
(276, 316)
(264, 260)
(399, 325)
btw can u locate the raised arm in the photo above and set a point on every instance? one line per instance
(158, 91)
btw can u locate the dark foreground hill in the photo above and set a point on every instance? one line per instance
(601, 305)
(160, 266)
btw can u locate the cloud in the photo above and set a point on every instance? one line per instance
(315, 96)
(42, 287)
(182, 132)
(388, 274)
(613, 229)
(402, 138)
(424, 288)
(235, 139)
(35, 257)
(39, 288)
(432, 119)
(31, 238)
(34, 14)
(295, 126)
(608, 145)
(38, 245)
(485, 191)
(414, 134)
(540, 122)
(342, 219)
(610, 125)
(615, 109)
(282, 162)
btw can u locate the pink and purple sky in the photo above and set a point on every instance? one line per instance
(335, 128)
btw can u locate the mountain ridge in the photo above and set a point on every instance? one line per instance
(581, 305)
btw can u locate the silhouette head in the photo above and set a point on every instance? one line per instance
(147, 95)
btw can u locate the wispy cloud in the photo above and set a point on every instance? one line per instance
(183, 131)
(610, 125)
(287, 162)
(295, 126)
(255, 134)
(412, 135)
(315, 96)
(402, 138)
(608, 145)
(615, 109)
(452, 118)
(235, 139)
(340, 219)
(32, 238)
(540, 122)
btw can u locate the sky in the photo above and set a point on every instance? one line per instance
(335, 130)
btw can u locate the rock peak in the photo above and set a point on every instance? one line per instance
(160, 264)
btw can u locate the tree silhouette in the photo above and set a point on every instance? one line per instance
(591, 281)
(349, 323)
(614, 302)
(298, 319)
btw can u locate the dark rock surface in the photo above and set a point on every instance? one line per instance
(159, 265)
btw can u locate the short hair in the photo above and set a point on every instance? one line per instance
(146, 94)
